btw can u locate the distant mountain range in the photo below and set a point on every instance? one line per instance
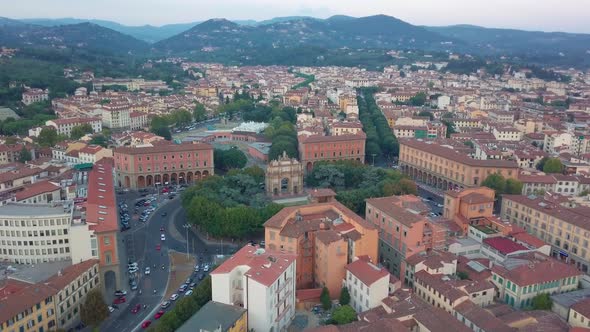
(336, 32)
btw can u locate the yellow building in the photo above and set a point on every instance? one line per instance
(566, 229)
(443, 167)
(217, 317)
(48, 305)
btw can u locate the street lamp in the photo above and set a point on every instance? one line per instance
(186, 227)
(374, 154)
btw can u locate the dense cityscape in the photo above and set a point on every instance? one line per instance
(292, 175)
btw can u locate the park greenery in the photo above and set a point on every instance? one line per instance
(48, 137)
(160, 125)
(233, 206)
(225, 160)
(30, 116)
(550, 165)
(380, 143)
(308, 80)
(501, 185)
(80, 131)
(94, 309)
(185, 308)
(342, 315)
(541, 302)
(354, 182)
(24, 155)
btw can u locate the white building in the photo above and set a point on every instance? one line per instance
(555, 140)
(115, 117)
(443, 101)
(35, 233)
(367, 284)
(507, 134)
(263, 282)
(65, 126)
(34, 96)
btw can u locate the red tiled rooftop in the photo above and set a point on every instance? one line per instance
(265, 266)
(367, 272)
(504, 245)
(35, 189)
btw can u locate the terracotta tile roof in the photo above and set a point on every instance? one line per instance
(582, 307)
(322, 192)
(528, 239)
(19, 173)
(400, 214)
(433, 259)
(69, 274)
(504, 245)
(482, 318)
(367, 272)
(168, 147)
(35, 189)
(447, 288)
(101, 206)
(27, 295)
(451, 154)
(328, 236)
(265, 266)
(339, 138)
(476, 198)
(536, 268)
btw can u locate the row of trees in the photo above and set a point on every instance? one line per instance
(502, 185)
(160, 125)
(354, 182)
(380, 142)
(185, 308)
(231, 206)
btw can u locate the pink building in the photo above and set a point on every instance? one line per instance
(138, 167)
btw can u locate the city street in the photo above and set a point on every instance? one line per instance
(139, 245)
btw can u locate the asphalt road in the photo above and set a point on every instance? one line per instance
(140, 246)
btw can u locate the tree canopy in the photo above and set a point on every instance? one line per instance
(501, 185)
(343, 315)
(233, 206)
(542, 302)
(380, 139)
(24, 155)
(553, 165)
(80, 131)
(49, 137)
(344, 296)
(199, 113)
(94, 310)
(227, 159)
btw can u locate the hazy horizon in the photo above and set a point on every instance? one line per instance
(521, 14)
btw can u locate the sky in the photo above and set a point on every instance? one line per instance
(543, 15)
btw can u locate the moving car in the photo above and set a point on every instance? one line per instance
(111, 309)
(136, 308)
(162, 237)
(147, 271)
(120, 300)
(162, 229)
(206, 268)
(164, 214)
(120, 293)
(146, 324)
(197, 268)
(158, 247)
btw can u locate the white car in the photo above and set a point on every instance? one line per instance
(133, 269)
(188, 292)
(111, 309)
(197, 268)
(162, 237)
(147, 271)
(206, 268)
(173, 297)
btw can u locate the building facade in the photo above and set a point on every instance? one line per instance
(160, 164)
(65, 126)
(566, 229)
(445, 168)
(260, 281)
(325, 237)
(316, 148)
(367, 284)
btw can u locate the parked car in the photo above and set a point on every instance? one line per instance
(146, 324)
(174, 297)
(159, 314)
(147, 271)
(120, 293)
(111, 309)
(188, 292)
(158, 247)
(164, 214)
(165, 304)
(162, 237)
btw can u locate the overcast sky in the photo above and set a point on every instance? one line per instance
(545, 15)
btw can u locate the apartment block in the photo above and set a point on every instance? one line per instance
(405, 229)
(565, 228)
(367, 284)
(260, 281)
(325, 237)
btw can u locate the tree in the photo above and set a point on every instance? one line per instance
(419, 99)
(553, 165)
(80, 131)
(469, 144)
(181, 118)
(462, 275)
(10, 140)
(227, 159)
(428, 114)
(542, 302)
(513, 187)
(24, 155)
(495, 181)
(344, 296)
(48, 137)
(344, 315)
(94, 310)
(199, 113)
(325, 299)
(99, 140)
(163, 132)
(541, 164)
